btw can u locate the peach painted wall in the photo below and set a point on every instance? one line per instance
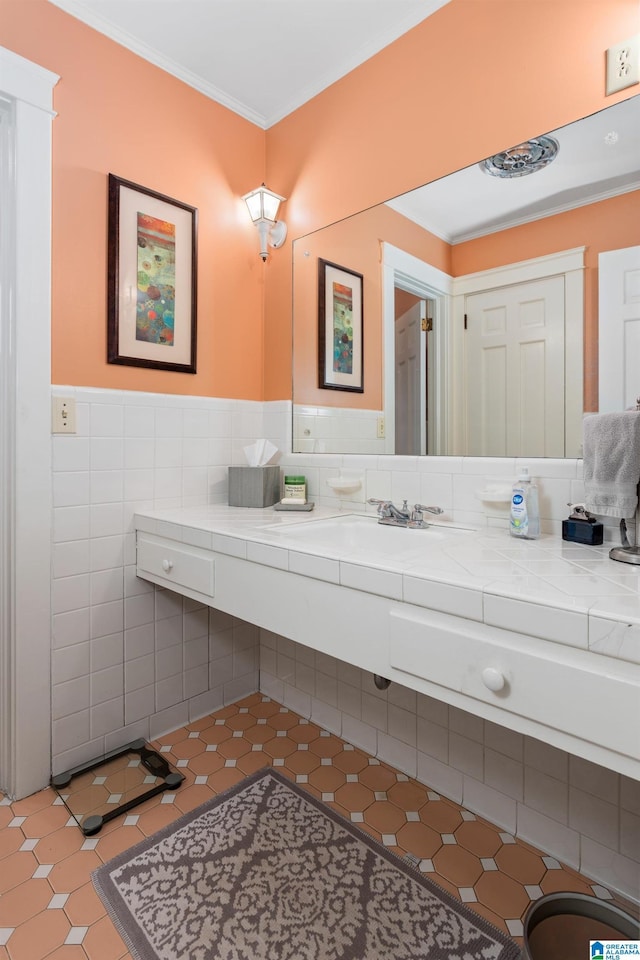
(355, 244)
(404, 301)
(404, 117)
(118, 113)
(608, 225)
(476, 77)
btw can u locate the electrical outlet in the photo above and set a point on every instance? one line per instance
(623, 65)
(63, 415)
(380, 428)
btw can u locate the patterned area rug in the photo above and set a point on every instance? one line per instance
(267, 872)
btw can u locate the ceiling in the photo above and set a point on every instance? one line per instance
(260, 58)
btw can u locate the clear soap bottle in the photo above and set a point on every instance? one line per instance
(524, 520)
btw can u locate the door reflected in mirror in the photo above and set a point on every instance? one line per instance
(480, 312)
(412, 321)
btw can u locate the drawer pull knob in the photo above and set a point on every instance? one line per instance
(167, 566)
(493, 679)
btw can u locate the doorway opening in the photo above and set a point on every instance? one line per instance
(417, 355)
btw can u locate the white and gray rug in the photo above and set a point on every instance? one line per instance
(267, 872)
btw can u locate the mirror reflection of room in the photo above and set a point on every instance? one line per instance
(481, 304)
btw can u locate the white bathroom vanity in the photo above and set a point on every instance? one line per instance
(541, 637)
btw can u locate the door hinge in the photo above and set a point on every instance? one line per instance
(427, 324)
(465, 321)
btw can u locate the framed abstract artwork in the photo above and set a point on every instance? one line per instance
(151, 279)
(340, 356)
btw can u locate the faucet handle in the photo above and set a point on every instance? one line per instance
(382, 505)
(417, 518)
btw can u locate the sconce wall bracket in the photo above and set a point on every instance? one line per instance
(271, 234)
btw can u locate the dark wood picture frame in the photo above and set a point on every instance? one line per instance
(340, 328)
(151, 279)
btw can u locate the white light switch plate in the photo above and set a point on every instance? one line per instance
(63, 415)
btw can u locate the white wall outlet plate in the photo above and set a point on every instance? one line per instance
(623, 65)
(63, 415)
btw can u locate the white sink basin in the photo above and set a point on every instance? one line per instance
(352, 534)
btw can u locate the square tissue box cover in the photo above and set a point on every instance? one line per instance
(254, 486)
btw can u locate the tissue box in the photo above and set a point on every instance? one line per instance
(254, 486)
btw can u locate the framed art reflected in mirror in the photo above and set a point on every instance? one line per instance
(340, 328)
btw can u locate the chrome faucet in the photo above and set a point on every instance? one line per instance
(403, 516)
(388, 511)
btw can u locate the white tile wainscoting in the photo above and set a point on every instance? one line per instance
(130, 660)
(343, 429)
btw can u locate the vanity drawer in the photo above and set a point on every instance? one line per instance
(176, 563)
(593, 698)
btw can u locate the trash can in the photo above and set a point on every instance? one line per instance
(559, 926)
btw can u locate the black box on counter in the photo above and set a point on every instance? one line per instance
(583, 531)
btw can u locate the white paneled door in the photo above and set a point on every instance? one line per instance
(515, 370)
(410, 358)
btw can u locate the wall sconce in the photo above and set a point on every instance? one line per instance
(263, 208)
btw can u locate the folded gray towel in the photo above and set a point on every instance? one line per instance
(611, 452)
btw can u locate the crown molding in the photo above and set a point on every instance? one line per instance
(141, 49)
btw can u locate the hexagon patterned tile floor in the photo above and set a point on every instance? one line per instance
(48, 907)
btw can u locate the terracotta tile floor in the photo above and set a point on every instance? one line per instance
(48, 907)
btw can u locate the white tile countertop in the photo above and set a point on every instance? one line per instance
(547, 588)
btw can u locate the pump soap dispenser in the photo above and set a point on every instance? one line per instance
(524, 519)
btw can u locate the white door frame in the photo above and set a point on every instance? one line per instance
(401, 269)
(618, 329)
(25, 426)
(570, 264)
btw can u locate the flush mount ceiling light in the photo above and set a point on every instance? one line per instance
(523, 159)
(263, 204)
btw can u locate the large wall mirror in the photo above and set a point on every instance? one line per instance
(471, 326)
